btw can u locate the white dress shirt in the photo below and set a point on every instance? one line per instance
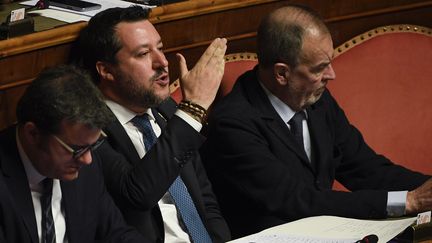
(173, 230)
(35, 179)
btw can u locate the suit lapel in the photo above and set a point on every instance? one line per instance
(16, 181)
(260, 101)
(164, 112)
(320, 136)
(119, 139)
(72, 204)
(160, 119)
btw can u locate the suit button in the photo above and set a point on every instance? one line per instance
(318, 184)
(180, 162)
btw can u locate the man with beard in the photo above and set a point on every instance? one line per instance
(279, 139)
(161, 186)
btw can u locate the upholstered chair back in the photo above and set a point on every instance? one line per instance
(384, 84)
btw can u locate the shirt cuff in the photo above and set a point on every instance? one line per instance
(396, 203)
(189, 119)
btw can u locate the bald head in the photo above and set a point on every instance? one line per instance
(281, 34)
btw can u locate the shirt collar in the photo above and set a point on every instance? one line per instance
(33, 176)
(123, 114)
(283, 110)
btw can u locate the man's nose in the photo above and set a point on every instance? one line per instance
(329, 73)
(86, 158)
(159, 59)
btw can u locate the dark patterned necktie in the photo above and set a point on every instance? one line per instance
(142, 122)
(178, 190)
(48, 228)
(296, 127)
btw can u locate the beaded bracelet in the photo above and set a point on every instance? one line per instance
(198, 112)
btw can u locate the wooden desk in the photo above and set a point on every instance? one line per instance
(185, 26)
(188, 27)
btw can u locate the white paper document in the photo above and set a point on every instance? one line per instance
(284, 238)
(70, 16)
(61, 15)
(326, 229)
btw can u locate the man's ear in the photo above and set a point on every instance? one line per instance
(31, 133)
(105, 70)
(281, 73)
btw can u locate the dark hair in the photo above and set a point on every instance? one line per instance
(98, 40)
(280, 34)
(63, 93)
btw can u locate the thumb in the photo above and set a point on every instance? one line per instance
(182, 64)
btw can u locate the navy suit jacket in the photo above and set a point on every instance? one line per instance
(90, 213)
(262, 177)
(138, 184)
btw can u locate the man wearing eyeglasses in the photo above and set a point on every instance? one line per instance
(51, 186)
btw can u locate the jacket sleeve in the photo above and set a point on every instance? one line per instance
(110, 225)
(141, 185)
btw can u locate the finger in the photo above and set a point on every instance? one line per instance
(209, 52)
(219, 53)
(182, 64)
(223, 48)
(218, 59)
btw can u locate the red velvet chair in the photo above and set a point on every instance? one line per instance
(384, 84)
(235, 65)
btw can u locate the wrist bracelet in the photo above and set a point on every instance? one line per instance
(198, 112)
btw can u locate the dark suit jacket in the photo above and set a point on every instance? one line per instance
(262, 177)
(138, 184)
(90, 212)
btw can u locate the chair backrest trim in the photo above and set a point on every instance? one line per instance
(400, 28)
(228, 58)
(241, 56)
(174, 86)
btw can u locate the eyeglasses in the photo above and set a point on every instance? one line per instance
(78, 151)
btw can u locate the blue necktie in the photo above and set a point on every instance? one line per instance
(178, 190)
(48, 228)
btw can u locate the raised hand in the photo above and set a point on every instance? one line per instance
(200, 84)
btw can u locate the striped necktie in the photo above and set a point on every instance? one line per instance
(48, 228)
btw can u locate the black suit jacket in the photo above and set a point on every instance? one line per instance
(90, 213)
(262, 177)
(138, 184)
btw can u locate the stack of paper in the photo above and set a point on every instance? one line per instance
(70, 16)
(326, 229)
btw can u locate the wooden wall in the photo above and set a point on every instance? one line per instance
(188, 27)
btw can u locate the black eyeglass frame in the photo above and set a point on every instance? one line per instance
(78, 151)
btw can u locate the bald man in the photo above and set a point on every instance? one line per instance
(278, 141)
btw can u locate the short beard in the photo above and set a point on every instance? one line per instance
(137, 95)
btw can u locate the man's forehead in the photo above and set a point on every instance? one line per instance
(138, 33)
(141, 26)
(71, 126)
(317, 48)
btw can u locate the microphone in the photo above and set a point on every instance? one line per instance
(368, 239)
(41, 4)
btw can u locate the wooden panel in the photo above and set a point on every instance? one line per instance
(344, 29)
(237, 25)
(188, 27)
(8, 101)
